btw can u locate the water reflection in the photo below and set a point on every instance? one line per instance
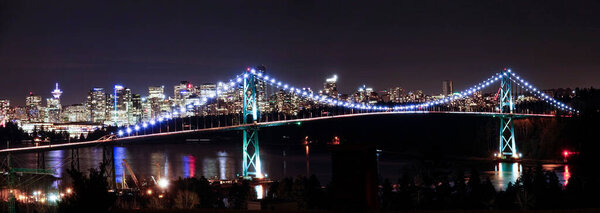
(120, 155)
(56, 158)
(209, 167)
(222, 157)
(259, 191)
(223, 161)
(506, 173)
(307, 161)
(156, 159)
(189, 166)
(566, 176)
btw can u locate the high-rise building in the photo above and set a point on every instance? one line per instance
(20, 113)
(386, 96)
(360, 94)
(134, 113)
(35, 112)
(261, 91)
(96, 105)
(56, 93)
(365, 94)
(154, 105)
(330, 87)
(76, 113)
(397, 95)
(285, 103)
(4, 106)
(447, 88)
(121, 106)
(53, 106)
(182, 91)
(208, 90)
(4, 111)
(156, 92)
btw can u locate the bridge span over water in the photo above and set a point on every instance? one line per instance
(250, 81)
(145, 137)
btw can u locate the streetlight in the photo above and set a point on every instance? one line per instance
(160, 120)
(145, 125)
(128, 131)
(152, 122)
(163, 183)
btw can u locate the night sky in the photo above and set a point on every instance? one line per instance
(413, 44)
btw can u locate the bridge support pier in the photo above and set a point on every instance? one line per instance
(507, 146)
(251, 158)
(250, 149)
(41, 160)
(75, 159)
(108, 159)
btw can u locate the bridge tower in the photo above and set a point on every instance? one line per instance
(507, 146)
(250, 149)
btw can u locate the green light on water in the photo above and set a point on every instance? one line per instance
(298, 123)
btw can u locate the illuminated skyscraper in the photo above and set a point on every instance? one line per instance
(182, 91)
(4, 111)
(76, 113)
(56, 93)
(34, 107)
(156, 92)
(447, 88)
(208, 90)
(397, 95)
(96, 105)
(121, 106)
(134, 113)
(156, 102)
(53, 106)
(330, 87)
(261, 90)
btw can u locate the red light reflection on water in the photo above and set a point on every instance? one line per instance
(566, 175)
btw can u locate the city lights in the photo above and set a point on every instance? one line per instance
(425, 106)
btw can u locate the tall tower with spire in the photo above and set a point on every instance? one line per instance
(57, 92)
(53, 107)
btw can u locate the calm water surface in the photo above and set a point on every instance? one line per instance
(222, 160)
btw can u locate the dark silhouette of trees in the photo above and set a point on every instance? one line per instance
(12, 133)
(205, 191)
(90, 192)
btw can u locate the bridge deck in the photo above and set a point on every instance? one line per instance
(240, 127)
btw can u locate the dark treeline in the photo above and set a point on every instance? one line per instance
(535, 189)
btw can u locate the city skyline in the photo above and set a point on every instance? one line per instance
(415, 45)
(169, 90)
(301, 105)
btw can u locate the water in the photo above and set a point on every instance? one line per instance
(405, 141)
(222, 161)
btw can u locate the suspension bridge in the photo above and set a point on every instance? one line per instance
(252, 119)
